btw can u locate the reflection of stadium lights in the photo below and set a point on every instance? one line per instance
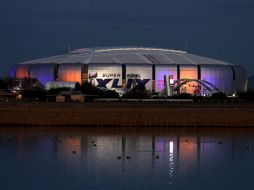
(171, 158)
(171, 146)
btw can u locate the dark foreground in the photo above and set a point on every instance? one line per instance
(45, 158)
(126, 114)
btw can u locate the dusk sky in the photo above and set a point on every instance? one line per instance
(221, 29)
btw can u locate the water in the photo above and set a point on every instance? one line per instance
(54, 158)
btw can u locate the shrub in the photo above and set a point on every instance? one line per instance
(56, 91)
(249, 95)
(110, 94)
(219, 96)
(34, 94)
(183, 96)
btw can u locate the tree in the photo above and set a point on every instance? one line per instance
(138, 92)
(87, 88)
(7, 83)
(3, 84)
(31, 83)
(110, 94)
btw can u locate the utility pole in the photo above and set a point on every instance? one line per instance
(69, 49)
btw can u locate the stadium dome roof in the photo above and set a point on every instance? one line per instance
(122, 55)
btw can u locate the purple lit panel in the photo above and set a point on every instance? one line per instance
(240, 78)
(219, 75)
(160, 71)
(43, 72)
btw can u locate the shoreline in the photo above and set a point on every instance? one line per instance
(126, 114)
(111, 131)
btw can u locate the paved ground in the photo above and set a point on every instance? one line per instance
(126, 114)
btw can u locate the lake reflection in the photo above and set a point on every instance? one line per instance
(126, 159)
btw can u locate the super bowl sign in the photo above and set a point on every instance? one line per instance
(112, 80)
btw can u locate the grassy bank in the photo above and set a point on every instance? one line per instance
(132, 114)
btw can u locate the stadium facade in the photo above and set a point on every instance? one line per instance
(126, 67)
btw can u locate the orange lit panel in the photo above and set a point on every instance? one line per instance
(189, 72)
(21, 72)
(69, 73)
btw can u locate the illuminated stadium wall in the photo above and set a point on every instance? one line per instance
(139, 74)
(19, 71)
(240, 74)
(127, 67)
(160, 71)
(105, 75)
(219, 75)
(42, 72)
(69, 72)
(189, 72)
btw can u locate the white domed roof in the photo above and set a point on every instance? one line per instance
(134, 55)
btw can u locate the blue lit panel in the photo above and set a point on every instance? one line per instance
(43, 72)
(12, 72)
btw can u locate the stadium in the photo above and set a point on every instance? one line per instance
(125, 67)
